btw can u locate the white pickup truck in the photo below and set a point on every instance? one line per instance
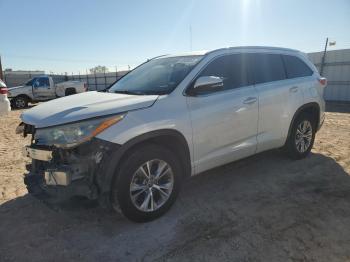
(43, 88)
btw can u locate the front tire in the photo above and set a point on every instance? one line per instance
(302, 137)
(20, 102)
(147, 183)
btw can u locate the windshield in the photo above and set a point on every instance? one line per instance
(158, 76)
(30, 82)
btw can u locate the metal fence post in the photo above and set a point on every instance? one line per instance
(87, 79)
(104, 73)
(95, 80)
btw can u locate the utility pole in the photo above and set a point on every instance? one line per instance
(1, 75)
(323, 57)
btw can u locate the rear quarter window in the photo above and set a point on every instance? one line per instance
(295, 67)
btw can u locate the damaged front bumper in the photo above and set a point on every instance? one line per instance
(58, 174)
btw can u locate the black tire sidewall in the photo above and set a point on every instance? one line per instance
(70, 91)
(121, 185)
(292, 149)
(20, 98)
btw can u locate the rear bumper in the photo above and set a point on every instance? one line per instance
(58, 174)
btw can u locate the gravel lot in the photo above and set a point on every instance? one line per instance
(264, 208)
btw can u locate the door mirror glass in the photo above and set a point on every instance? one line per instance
(207, 84)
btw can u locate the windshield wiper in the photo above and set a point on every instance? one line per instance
(128, 92)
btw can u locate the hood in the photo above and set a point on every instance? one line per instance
(83, 106)
(15, 87)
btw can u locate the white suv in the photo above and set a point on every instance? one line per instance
(172, 117)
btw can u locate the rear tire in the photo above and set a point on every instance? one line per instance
(20, 102)
(302, 137)
(147, 183)
(70, 91)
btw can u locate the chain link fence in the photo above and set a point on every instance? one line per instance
(96, 81)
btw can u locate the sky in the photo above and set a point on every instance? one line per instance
(75, 35)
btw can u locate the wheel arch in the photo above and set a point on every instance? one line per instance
(312, 108)
(25, 96)
(169, 138)
(29, 99)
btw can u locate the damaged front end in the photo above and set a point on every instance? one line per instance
(59, 171)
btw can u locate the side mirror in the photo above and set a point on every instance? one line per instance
(206, 84)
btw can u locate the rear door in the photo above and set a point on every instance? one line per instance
(42, 89)
(224, 122)
(274, 96)
(279, 97)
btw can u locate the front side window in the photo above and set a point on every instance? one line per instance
(268, 68)
(232, 69)
(41, 82)
(158, 76)
(295, 67)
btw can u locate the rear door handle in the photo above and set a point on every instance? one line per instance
(250, 100)
(293, 89)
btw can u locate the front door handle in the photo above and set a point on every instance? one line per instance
(293, 89)
(250, 100)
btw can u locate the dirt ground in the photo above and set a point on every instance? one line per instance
(264, 208)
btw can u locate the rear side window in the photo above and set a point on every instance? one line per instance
(231, 68)
(295, 67)
(44, 81)
(268, 68)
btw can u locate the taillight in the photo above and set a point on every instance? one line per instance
(323, 81)
(3, 90)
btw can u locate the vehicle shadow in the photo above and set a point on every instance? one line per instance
(266, 207)
(28, 107)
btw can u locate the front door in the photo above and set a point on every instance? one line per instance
(224, 122)
(42, 89)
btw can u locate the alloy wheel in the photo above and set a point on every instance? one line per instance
(303, 136)
(151, 185)
(20, 103)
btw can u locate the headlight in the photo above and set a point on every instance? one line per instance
(70, 135)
